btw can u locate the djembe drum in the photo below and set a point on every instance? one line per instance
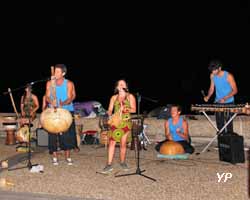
(10, 126)
(171, 148)
(56, 120)
(104, 126)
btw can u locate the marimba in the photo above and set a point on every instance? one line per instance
(232, 108)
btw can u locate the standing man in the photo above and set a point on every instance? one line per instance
(224, 85)
(64, 96)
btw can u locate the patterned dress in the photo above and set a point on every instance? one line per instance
(29, 105)
(116, 132)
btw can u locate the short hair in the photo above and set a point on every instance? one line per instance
(214, 64)
(179, 108)
(62, 67)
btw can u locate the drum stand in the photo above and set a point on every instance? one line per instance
(138, 171)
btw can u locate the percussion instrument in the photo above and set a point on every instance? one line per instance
(23, 134)
(234, 108)
(104, 138)
(56, 120)
(137, 125)
(10, 126)
(171, 148)
(137, 128)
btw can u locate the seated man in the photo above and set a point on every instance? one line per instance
(176, 129)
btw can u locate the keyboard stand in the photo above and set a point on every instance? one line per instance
(218, 131)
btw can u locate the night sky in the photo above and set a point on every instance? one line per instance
(162, 51)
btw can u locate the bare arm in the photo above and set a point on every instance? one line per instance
(71, 94)
(211, 89)
(36, 103)
(21, 106)
(111, 105)
(48, 93)
(233, 85)
(167, 131)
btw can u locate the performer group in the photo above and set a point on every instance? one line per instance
(60, 94)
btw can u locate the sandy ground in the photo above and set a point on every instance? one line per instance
(194, 178)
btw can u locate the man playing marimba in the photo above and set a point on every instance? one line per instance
(225, 88)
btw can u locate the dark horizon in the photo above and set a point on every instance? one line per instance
(162, 54)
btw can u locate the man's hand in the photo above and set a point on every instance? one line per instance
(206, 98)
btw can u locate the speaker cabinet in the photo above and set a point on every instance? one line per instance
(42, 137)
(231, 148)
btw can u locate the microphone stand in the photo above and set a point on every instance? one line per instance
(136, 129)
(24, 86)
(139, 97)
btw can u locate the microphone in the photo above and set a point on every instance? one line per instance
(125, 89)
(43, 80)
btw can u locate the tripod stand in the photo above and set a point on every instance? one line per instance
(136, 129)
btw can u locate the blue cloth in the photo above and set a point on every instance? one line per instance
(176, 156)
(62, 95)
(222, 88)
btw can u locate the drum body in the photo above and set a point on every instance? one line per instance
(171, 148)
(23, 134)
(10, 129)
(104, 137)
(137, 126)
(56, 120)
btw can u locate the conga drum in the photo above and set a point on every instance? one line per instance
(171, 148)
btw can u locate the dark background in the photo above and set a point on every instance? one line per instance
(162, 50)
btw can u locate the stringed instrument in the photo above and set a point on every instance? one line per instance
(55, 119)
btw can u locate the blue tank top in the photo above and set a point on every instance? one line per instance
(222, 88)
(61, 94)
(173, 128)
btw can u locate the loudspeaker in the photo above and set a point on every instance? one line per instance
(231, 148)
(42, 137)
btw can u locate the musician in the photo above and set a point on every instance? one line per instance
(29, 105)
(224, 85)
(65, 94)
(124, 102)
(176, 129)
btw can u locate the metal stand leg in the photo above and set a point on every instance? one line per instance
(218, 131)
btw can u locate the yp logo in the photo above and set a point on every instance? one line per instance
(225, 175)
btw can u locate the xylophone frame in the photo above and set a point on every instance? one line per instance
(218, 131)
